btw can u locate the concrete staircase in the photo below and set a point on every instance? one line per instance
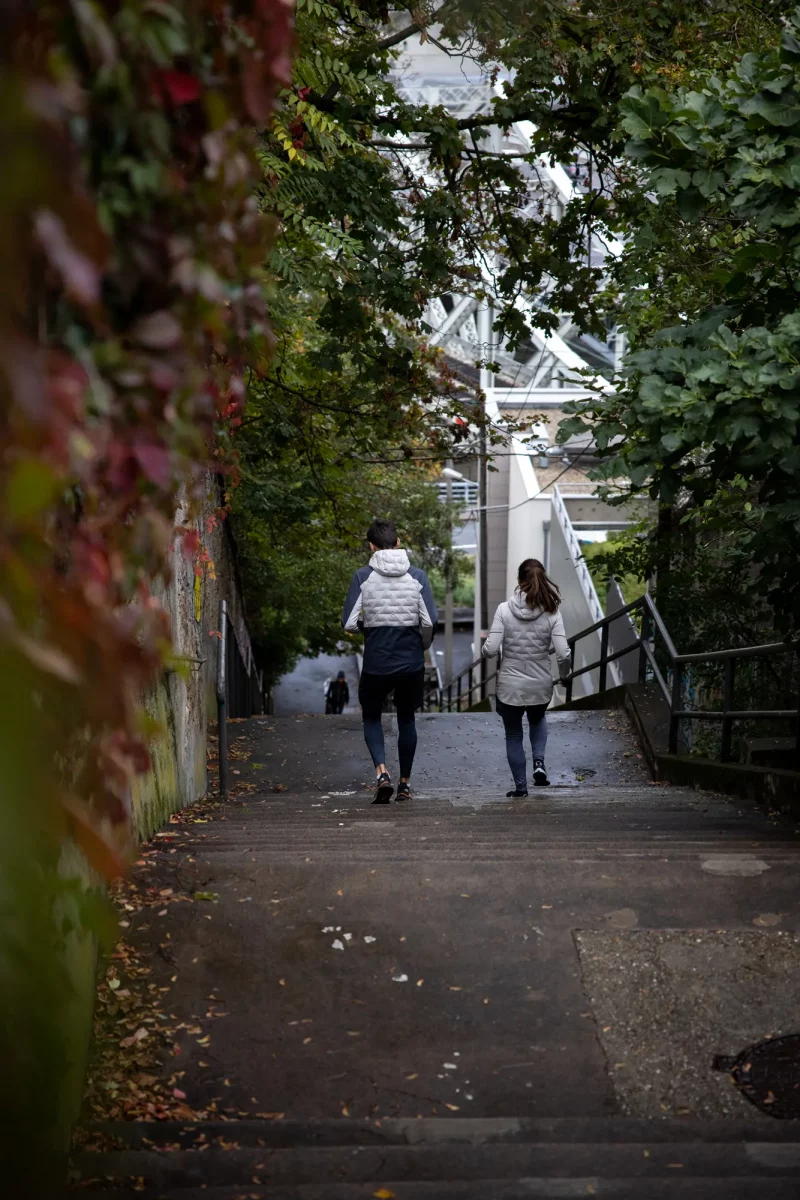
(525, 999)
(453, 1159)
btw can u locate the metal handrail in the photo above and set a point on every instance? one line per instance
(222, 701)
(239, 688)
(484, 679)
(652, 623)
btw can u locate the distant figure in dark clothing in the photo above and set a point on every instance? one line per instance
(338, 694)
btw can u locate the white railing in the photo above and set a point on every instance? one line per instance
(576, 553)
(462, 491)
(459, 98)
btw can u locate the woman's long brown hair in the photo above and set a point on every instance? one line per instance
(539, 591)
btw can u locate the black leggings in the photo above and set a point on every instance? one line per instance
(408, 694)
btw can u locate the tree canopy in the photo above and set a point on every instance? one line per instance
(706, 417)
(385, 201)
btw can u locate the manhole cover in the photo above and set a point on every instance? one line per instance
(768, 1075)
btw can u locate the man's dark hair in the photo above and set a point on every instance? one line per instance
(382, 534)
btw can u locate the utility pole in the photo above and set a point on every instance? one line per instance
(448, 581)
(486, 320)
(483, 492)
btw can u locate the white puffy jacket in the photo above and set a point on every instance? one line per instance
(527, 636)
(393, 604)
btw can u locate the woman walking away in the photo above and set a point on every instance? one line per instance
(528, 628)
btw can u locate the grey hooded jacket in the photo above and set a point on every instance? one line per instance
(392, 602)
(527, 636)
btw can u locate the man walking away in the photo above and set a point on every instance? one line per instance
(338, 695)
(392, 603)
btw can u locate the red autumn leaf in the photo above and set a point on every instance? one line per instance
(191, 542)
(154, 459)
(179, 86)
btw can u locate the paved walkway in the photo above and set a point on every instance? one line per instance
(303, 689)
(583, 953)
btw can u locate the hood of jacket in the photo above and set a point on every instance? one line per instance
(520, 607)
(390, 562)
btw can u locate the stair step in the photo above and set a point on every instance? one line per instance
(530, 1188)
(412, 1131)
(424, 1162)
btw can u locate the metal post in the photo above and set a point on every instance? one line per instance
(448, 580)
(471, 684)
(484, 672)
(458, 694)
(222, 706)
(645, 637)
(449, 697)
(675, 706)
(568, 684)
(485, 320)
(603, 658)
(727, 706)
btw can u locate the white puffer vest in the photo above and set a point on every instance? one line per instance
(527, 636)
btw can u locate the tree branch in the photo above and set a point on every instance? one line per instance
(402, 35)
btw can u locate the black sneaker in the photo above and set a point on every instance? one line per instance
(517, 794)
(539, 774)
(404, 791)
(383, 789)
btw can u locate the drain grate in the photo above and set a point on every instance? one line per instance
(768, 1075)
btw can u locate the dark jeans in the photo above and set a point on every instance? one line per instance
(512, 715)
(408, 696)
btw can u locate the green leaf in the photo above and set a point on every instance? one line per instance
(31, 488)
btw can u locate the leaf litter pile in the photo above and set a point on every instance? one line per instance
(134, 1072)
(136, 1037)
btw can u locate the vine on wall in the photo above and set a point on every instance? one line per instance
(130, 248)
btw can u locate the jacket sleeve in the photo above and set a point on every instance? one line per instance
(346, 694)
(559, 643)
(351, 613)
(494, 641)
(428, 613)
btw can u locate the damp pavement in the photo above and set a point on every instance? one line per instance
(583, 953)
(303, 689)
